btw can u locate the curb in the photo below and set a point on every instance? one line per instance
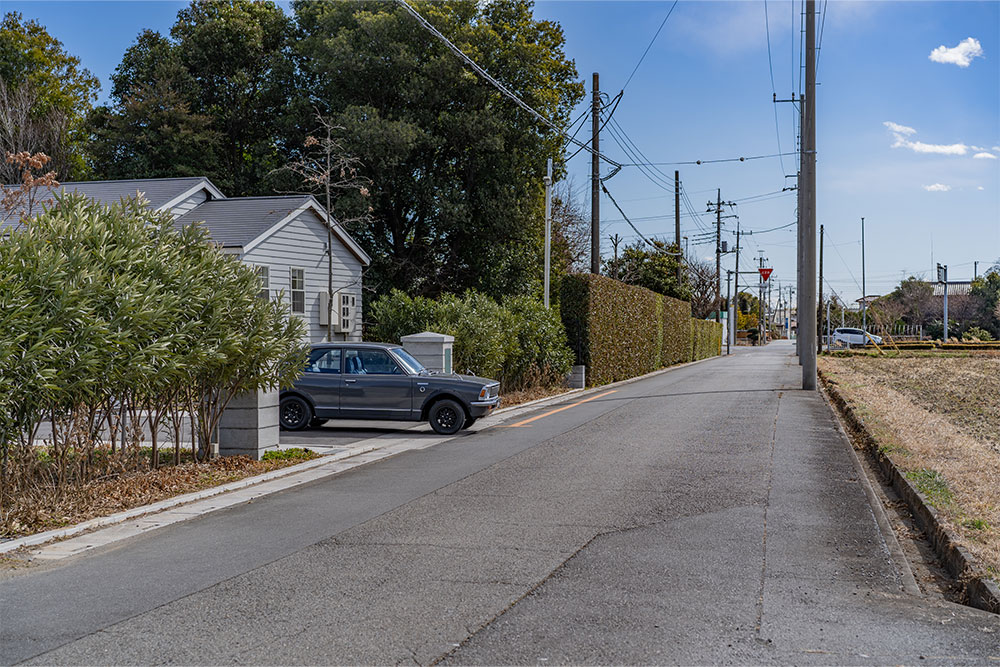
(171, 503)
(979, 590)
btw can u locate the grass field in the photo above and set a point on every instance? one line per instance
(938, 417)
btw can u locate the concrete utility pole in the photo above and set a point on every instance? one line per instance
(718, 252)
(808, 313)
(800, 227)
(762, 335)
(548, 227)
(975, 270)
(677, 222)
(729, 309)
(819, 333)
(864, 290)
(828, 326)
(942, 275)
(595, 181)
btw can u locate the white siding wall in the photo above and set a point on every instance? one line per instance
(194, 200)
(300, 244)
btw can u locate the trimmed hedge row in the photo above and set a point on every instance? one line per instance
(706, 339)
(619, 331)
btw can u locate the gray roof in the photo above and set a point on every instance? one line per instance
(238, 221)
(158, 191)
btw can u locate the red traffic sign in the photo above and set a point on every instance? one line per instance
(765, 273)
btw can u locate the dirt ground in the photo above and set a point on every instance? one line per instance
(938, 417)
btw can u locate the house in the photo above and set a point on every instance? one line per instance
(283, 237)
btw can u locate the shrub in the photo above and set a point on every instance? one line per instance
(974, 334)
(620, 331)
(706, 339)
(518, 342)
(110, 318)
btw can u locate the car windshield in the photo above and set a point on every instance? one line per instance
(411, 364)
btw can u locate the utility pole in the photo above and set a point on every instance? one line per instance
(864, 290)
(595, 181)
(808, 313)
(615, 240)
(548, 228)
(975, 270)
(799, 228)
(827, 326)
(819, 333)
(942, 276)
(718, 252)
(729, 309)
(762, 332)
(677, 223)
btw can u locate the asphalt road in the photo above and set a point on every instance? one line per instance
(710, 514)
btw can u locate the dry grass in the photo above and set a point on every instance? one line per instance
(939, 419)
(51, 508)
(511, 398)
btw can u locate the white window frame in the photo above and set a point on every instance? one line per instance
(300, 292)
(264, 275)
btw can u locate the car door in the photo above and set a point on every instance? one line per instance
(322, 381)
(375, 386)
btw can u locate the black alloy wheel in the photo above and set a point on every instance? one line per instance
(446, 417)
(295, 413)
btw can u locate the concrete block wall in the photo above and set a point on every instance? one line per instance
(249, 425)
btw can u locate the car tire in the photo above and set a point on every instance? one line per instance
(469, 421)
(316, 422)
(446, 417)
(294, 413)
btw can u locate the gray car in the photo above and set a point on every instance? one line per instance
(380, 381)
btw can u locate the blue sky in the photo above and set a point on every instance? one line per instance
(704, 92)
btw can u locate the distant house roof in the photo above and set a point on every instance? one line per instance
(244, 222)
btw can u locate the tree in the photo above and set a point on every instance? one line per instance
(701, 278)
(210, 99)
(986, 293)
(654, 268)
(457, 167)
(44, 98)
(151, 132)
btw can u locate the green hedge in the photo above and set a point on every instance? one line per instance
(518, 342)
(620, 331)
(706, 339)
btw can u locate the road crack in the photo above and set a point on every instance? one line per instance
(763, 542)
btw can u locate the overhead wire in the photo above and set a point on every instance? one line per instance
(634, 228)
(774, 94)
(657, 34)
(499, 86)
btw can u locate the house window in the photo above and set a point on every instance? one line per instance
(264, 274)
(298, 290)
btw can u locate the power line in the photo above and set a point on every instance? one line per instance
(745, 158)
(774, 94)
(616, 100)
(499, 86)
(643, 57)
(634, 228)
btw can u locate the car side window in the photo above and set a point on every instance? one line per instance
(370, 362)
(324, 361)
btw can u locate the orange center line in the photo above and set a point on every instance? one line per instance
(552, 412)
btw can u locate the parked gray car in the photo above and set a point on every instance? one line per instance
(379, 381)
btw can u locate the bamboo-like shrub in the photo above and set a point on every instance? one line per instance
(113, 324)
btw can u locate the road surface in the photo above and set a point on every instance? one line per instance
(710, 514)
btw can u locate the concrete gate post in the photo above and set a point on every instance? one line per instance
(433, 350)
(249, 425)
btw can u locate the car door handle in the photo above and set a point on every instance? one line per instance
(350, 380)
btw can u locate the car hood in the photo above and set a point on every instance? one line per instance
(472, 379)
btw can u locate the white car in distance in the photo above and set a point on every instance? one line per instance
(855, 337)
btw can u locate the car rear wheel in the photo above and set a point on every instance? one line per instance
(446, 417)
(295, 413)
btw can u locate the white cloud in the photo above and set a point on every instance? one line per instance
(902, 133)
(937, 187)
(985, 156)
(980, 188)
(899, 129)
(960, 55)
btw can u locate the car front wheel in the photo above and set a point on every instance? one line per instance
(295, 413)
(446, 417)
